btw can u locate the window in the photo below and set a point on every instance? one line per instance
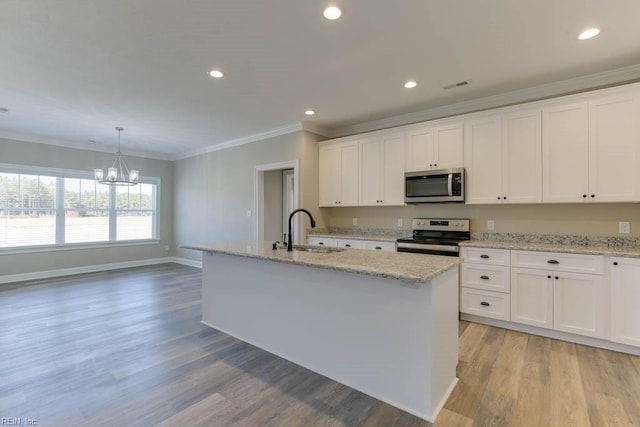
(53, 207)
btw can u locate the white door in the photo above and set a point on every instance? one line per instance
(329, 175)
(483, 160)
(448, 142)
(393, 179)
(288, 201)
(522, 157)
(349, 174)
(579, 304)
(614, 149)
(371, 172)
(565, 151)
(532, 297)
(625, 300)
(420, 150)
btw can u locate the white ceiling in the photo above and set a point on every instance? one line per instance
(72, 70)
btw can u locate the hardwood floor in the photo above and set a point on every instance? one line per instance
(126, 348)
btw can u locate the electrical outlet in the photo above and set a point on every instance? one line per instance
(400, 222)
(249, 212)
(624, 227)
(355, 221)
(491, 225)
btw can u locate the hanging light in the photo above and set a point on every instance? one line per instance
(118, 173)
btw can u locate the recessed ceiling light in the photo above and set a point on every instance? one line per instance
(332, 12)
(216, 74)
(411, 84)
(309, 112)
(590, 33)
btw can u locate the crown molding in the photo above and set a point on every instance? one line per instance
(78, 145)
(563, 87)
(317, 129)
(283, 130)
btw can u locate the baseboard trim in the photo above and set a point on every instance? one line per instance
(189, 262)
(37, 275)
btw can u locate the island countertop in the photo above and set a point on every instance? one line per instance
(406, 267)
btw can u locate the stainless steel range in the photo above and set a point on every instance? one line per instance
(436, 236)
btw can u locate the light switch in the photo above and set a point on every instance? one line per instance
(491, 225)
(624, 227)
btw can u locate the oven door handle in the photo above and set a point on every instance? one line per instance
(444, 248)
(450, 184)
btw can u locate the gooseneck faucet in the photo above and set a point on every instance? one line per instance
(313, 225)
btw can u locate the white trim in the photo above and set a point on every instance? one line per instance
(258, 200)
(75, 246)
(592, 81)
(317, 129)
(37, 275)
(283, 130)
(549, 333)
(17, 136)
(189, 262)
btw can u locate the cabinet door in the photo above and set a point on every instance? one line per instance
(565, 151)
(483, 160)
(419, 150)
(522, 157)
(322, 241)
(614, 146)
(625, 300)
(448, 143)
(532, 297)
(579, 304)
(393, 179)
(350, 243)
(371, 172)
(349, 174)
(329, 175)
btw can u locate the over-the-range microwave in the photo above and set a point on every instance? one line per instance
(434, 186)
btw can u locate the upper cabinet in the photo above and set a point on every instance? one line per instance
(338, 174)
(502, 158)
(591, 150)
(382, 171)
(434, 147)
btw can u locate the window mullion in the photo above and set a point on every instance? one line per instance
(60, 212)
(112, 214)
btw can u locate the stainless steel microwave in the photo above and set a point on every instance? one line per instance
(434, 186)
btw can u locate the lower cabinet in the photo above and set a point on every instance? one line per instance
(484, 303)
(625, 300)
(580, 304)
(532, 297)
(373, 245)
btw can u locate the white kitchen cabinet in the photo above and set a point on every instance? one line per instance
(434, 147)
(484, 303)
(625, 300)
(380, 246)
(614, 148)
(565, 148)
(322, 241)
(374, 245)
(503, 158)
(579, 304)
(591, 150)
(532, 297)
(485, 283)
(350, 243)
(382, 171)
(338, 174)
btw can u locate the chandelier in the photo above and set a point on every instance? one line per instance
(118, 173)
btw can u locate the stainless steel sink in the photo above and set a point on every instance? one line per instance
(316, 249)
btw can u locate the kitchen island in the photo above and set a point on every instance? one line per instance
(385, 324)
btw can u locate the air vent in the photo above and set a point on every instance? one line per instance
(455, 85)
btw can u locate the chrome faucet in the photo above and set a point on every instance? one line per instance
(313, 225)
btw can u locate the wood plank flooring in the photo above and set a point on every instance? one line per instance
(127, 348)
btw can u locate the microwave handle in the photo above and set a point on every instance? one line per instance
(450, 184)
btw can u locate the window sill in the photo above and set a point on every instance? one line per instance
(77, 246)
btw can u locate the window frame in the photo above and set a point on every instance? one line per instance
(60, 209)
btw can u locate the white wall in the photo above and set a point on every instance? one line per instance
(42, 155)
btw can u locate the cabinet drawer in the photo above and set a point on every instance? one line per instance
(488, 277)
(485, 303)
(380, 246)
(347, 243)
(552, 261)
(486, 256)
(322, 241)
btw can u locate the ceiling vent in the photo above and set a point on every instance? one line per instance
(455, 85)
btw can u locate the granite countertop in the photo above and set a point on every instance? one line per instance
(354, 236)
(405, 267)
(622, 251)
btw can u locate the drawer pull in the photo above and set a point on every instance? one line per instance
(378, 248)
(321, 243)
(484, 256)
(484, 303)
(485, 277)
(553, 261)
(348, 245)
(615, 263)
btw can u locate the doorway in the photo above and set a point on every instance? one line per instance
(276, 189)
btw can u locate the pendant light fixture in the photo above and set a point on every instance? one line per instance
(118, 173)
